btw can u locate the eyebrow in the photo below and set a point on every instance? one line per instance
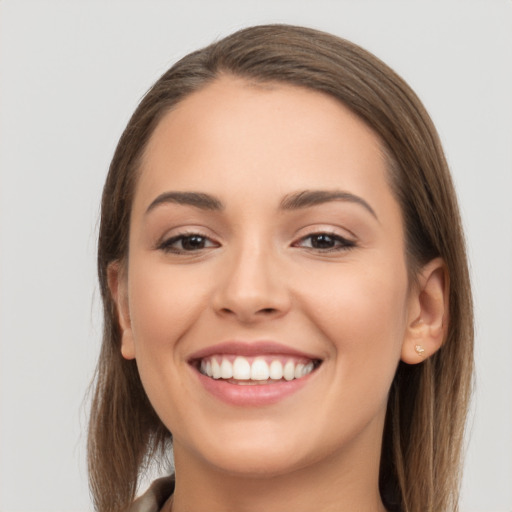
(295, 201)
(196, 199)
(307, 198)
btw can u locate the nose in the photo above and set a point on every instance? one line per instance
(252, 288)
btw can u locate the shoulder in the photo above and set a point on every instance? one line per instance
(155, 497)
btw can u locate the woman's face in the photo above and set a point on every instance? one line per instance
(266, 248)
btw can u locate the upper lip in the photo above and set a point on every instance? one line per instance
(251, 349)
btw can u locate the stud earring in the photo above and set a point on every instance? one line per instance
(419, 350)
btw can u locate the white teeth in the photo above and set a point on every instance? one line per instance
(259, 370)
(276, 370)
(242, 369)
(215, 369)
(308, 368)
(298, 371)
(226, 369)
(289, 371)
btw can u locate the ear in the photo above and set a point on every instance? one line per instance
(117, 283)
(427, 323)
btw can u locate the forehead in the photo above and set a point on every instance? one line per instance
(233, 137)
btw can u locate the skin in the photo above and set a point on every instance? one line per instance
(258, 276)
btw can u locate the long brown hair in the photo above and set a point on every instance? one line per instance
(423, 435)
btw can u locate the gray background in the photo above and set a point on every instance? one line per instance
(72, 72)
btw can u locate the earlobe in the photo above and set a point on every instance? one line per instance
(118, 290)
(428, 313)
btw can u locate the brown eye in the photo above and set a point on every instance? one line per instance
(193, 242)
(326, 242)
(322, 241)
(186, 243)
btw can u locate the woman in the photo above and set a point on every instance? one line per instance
(285, 288)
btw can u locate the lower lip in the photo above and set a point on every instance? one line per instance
(252, 395)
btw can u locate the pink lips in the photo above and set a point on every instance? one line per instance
(251, 349)
(256, 394)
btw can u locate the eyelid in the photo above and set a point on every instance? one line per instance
(164, 243)
(185, 229)
(343, 243)
(328, 228)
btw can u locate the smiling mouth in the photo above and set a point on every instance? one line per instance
(241, 370)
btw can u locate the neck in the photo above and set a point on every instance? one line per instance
(345, 481)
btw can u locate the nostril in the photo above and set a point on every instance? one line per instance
(268, 311)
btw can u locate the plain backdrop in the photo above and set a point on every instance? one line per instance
(71, 73)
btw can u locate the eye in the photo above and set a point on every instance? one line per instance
(182, 243)
(325, 242)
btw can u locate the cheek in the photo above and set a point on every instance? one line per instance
(163, 305)
(362, 312)
(361, 298)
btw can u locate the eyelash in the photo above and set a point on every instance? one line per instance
(168, 246)
(344, 244)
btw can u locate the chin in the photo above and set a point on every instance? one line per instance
(257, 465)
(260, 452)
